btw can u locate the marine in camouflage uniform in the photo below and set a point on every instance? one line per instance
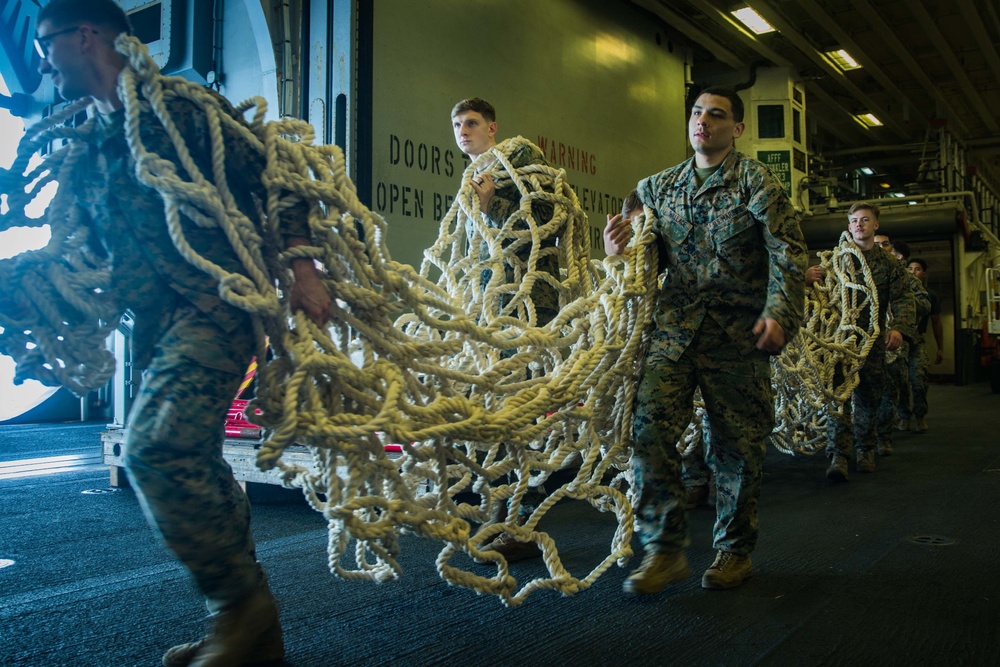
(897, 389)
(505, 201)
(893, 290)
(193, 346)
(735, 254)
(474, 124)
(918, 365)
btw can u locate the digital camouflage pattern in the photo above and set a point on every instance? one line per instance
(129, 218)
(173, 453)
(913, 399)
(921, 297)
(893, 290)
(196, 345)
(896, 382)
(694, 468)
(505, 201)
(734, 253)
(897, 379)
(739, 400)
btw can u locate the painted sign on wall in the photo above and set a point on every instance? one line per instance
(780, 163)
(599, 89)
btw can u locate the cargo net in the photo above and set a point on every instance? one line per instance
(484, 401)
(818, 370)
(56, 308)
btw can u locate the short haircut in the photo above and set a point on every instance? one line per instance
(864, 204)
(917, 260)
(734, 99)
(902, 247)
(105, 13)
(478, 105)
(631, 203)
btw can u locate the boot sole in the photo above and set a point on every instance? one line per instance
(710, 585)
(635, 588)
(836, 476)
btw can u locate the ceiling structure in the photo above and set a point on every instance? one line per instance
(925, 65)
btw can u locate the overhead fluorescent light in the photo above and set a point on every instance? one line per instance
(842, 59)
(752, 20)
(867, 171)
(868, 119)
(897, 195)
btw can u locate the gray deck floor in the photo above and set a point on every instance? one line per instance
(899, 567)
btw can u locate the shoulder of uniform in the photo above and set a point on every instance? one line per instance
(670, 174)
(750, 168)
(520, 151)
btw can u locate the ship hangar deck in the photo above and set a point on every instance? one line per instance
(899, 567)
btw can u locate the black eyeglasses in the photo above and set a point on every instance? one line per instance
(42, 43)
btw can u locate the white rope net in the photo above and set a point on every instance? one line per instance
(818, 370)
(465, 379)
(431, 372)
(54, 302)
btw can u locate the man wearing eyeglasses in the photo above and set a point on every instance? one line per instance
(891, 286)
(193, 345)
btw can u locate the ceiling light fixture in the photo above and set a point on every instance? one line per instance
(752, 20)
(842, 59)
(868, 120)
(867, 171)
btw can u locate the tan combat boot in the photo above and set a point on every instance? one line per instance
(657, 570)
(249, 633)
(511, 549)
(864, 461)
(837, 472)
(728, 571)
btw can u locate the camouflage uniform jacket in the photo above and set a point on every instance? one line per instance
(894, 291)
(148, 273)
(507, 199)
(921, 299)
(735, 251)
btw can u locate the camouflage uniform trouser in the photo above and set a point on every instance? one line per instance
(694, 468)
(739, 403)
(173, 454)
(897, 391)
(862, 407)
(918, 364)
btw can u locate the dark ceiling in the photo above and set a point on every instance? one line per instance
(926, 65)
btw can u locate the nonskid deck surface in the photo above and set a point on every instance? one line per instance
(892, 568)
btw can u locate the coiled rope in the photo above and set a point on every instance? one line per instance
(818, 370)
(405, 359)
(465, 379)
